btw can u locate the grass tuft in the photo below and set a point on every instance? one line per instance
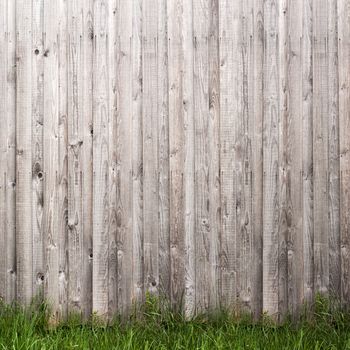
(155, 326)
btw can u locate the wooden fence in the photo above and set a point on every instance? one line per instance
(197, 149)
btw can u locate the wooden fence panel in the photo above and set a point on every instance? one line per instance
(197, 150)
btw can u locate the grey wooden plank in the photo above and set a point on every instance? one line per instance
(206, 152)
(229, 26)
(124, 144)
(86, 132)
(100, 160)
(189, 159)
(333, 152)
(150, 144)
(3, 146)
(137, 159)
(270, 160)
(6, 86)
(256, 129)
(320, 147)
(24, 241)
(163, 151)
(80, 156)
(214, 150)
(177, 149)
(344, 142)
(50, 156)
(7, 142)
(38, 31)
(115, 220)
(307, 106)
(75, 143)
(11, 151)
(201, 112)
(283, 184)
(293, 148)
(62, 172)
(243, 163)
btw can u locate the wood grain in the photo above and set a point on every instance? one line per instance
(307, 127)
(344, 142)
(271, 207)
(283, 156)
(177, 148)
(24, 237)
(294, 157)
(86, 132)
(333, 151)
(196, 150)
(137, 159)
(7, 146)
(203, 224)
(229, 26)
(50, 157)
(189, 160)
(37, 145)
(320, 147)
(80, 55)
(62, 159)
(123, 139)
(115, 219)
(150, 144)
(256, 94)
(101, 190)
(163, 151)
(244, 160)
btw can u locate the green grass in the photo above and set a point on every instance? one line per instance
(29, 329)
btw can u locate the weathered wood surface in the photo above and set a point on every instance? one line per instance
(193, 149)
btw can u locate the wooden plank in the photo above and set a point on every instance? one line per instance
(24, 238)
(181, 140)
(123, 166)
(79, 156)
(307, 106)
(201, 112)
(137, 159)
(100, 161)
(333, 152)
(206, 152)
(270, 160)
(293, 148)
(176, 142)
(320, 147)
(229, 27)
(37, 147)
(243, 161)
(75, 142)
(10, 179)
(150, 144)
(115, 215)
(62, 166)
(283, 174)
(86, 132)
(50, 155)
(7, 152)
(344, 141)
(256, 129)
(163, 152)
(3, 148)
(189, 161)
(214, 151)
